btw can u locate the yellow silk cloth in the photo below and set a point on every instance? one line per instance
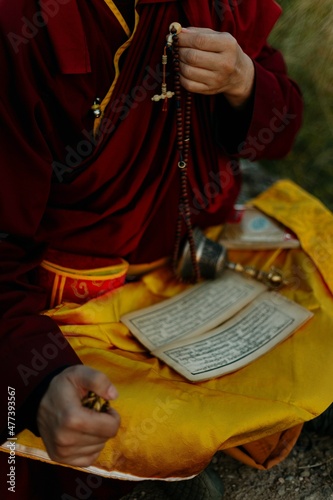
(170, 427)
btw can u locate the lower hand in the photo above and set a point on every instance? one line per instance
(73, 434)
(212, 62)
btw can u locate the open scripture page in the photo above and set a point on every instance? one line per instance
(260, 326)
(193, 312)
(216, 327)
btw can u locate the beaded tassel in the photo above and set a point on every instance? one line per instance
(165, 93)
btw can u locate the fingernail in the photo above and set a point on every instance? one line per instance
(112, 393)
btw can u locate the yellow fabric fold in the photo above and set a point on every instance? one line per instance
(170, 427)
(307, 217)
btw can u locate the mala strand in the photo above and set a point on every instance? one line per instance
(183, 144)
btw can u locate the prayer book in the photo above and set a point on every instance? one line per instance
(216, 327)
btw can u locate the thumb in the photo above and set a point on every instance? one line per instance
(193, 29)
(87, 379)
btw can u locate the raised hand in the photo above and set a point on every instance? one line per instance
(213, 63)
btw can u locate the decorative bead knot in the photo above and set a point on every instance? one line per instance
(174, 29)
(165, 95)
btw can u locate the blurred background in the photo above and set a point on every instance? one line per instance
(304, 33)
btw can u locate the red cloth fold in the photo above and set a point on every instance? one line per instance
(65, 27)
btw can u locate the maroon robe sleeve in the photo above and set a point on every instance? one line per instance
(266, 128)
(277, 112)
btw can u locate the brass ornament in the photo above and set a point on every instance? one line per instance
(212, 258)
(96, 108)
(95, 402)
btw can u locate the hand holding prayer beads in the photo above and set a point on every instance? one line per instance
(213, 63)
(212, 260)
(210, 63)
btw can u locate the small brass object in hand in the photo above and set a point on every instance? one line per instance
(95, 402)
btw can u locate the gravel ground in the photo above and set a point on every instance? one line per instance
(306, 474)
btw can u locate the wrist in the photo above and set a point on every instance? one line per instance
(241, 92)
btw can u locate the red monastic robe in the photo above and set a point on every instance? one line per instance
(115, 193)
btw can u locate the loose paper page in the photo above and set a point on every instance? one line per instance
(194, 311)
(268, 320)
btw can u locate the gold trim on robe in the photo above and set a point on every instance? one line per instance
(116, 58)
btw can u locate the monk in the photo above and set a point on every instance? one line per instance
(90, 178)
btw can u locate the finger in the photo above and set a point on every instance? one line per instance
(211, 41)
(194, 29)
(199, 75)
(204, 81)
(199, 59)
(80, 420)
(101, 425)
(73, 439)
(196, 87)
